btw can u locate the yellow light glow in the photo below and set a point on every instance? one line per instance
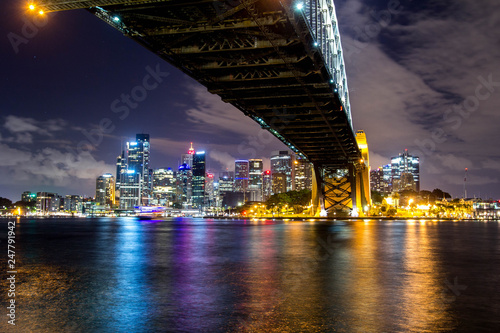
(41, 12)
(31, 7)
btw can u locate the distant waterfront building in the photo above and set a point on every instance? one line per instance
(267, 185)
(279, 183)
(29, 197)
(281, 163)
(73, 204)
(105, 190)
(255, 179)
(405, 172)
(241, 169)
(199, 180)
(47, 203)
(302, 174)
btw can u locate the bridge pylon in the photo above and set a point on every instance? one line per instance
(343, 189)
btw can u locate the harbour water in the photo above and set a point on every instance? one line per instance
(202, 275)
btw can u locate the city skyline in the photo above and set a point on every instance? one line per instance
(90, 66)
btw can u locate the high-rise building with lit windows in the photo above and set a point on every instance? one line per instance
(184, 187)
(281, 162)
(121, 169)
(405, 172)
(137, 173)
(255, 179)
(267, 185)
(210, 200)
(241, 169)
(105, 191)
(198, 181)
(188, 157)
(163, 186)
(302, 174)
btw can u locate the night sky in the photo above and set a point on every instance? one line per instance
(418, 79)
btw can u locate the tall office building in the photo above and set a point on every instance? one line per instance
(281, 162)
(377, 180)
(267, 185)
(188, 157)
(279, 183)
(387, 171)
(163, 186)
(199, 180)
(302, 174)
(184, 185)
(105, 190)
(209, 190)
(255, 179)
(121, 169)
(226, 185)
(405, 172)
(130, 190)
(241, 175)
(135, 174)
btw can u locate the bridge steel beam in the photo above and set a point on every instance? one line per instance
(280, 64)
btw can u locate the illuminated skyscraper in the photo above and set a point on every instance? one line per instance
(130, 190)
(183, 185)
(302, 174)
(188, 158)
(105, 190)
(241, 176)
(279, 183)
(255, 179)
(267, 185)
(121, 169)
(226, 184)
(405, 172)
(281, 162)
(199, 180)
(209, 190)
(377, 180)
(163, 186)
(138, 155)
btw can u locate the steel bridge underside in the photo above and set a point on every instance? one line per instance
(257, 55)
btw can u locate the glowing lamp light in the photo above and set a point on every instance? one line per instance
(116, 19)
(41, 12)
(315, 43)
(299, 6)
(31, 7)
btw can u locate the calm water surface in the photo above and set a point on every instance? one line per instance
(195, 275)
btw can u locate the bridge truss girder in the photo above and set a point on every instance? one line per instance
(280, 66)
